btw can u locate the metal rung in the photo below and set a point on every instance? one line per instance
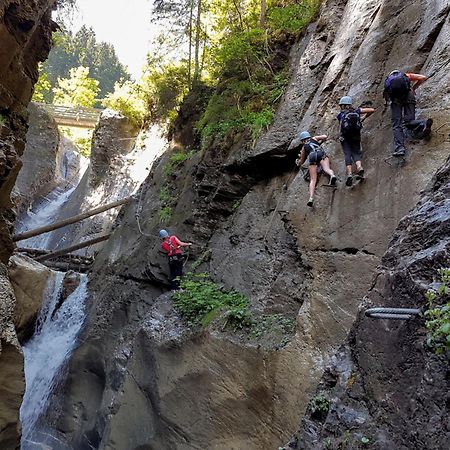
(392, 313)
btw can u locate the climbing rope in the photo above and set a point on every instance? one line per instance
(392, 313)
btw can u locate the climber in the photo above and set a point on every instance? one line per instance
(172, 246)
(351, 120)
(400, 89)
(311, 149)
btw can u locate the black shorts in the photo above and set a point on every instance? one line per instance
(315, 157)
(352, 150)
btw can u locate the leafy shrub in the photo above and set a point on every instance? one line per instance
(175, 160)
(77, 90)
(319, 405)
(165, 214)
(129, 100)
(292, 17)
(201, 300)
(81, 137)
(438, 314)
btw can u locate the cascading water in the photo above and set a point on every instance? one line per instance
(54, 340)
(47, 210)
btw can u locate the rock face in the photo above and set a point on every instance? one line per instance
(12, 383)
(246, 212)
(29, 280)
(385, 386)
(105, 180)
(49, 161)
(25, 36)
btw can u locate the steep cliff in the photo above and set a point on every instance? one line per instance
(25, 36)
(141, 378)
(116, 167)
(386, 389)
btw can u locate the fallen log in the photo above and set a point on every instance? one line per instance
(69, 221)
(63, 266)
(73, 248)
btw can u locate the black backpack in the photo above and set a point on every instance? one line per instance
(351, 123)
(396, 86)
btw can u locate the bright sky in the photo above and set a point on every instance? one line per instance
(123, 23)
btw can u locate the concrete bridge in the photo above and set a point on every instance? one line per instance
(73, 116)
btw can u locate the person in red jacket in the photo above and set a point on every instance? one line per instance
(172, 246)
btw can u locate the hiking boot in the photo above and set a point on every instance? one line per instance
(349, 180)
(333, 180)
(427, 127)
(360, 174)
(310, 202)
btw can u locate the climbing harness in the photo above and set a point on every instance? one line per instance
(392, 313)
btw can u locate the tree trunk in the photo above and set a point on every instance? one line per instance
(262, 14)
(197, 44)
(191, 16)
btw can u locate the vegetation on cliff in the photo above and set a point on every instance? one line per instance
(438, 313)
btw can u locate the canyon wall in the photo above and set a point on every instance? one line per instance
(25, 36)
(142, 379)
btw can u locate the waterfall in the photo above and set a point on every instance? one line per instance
(54, 340)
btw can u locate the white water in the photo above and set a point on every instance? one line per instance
(54, 340)
(47, 211)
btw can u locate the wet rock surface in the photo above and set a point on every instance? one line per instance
(25, 36)
(29, 280)
(245, 210)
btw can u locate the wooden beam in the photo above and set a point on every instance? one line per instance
(79, 246)
(69, 221)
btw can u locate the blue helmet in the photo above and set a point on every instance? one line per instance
(304, 135)
(346, 100)
(163, 233)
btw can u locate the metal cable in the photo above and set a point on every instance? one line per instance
(392, 313)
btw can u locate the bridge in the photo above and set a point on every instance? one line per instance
(73, 116)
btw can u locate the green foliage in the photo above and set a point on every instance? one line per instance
(128, 99)
(165, 214)
(253, 75)
(77, 90)
(276, 326)
(43, 88)
(319, 405)
(244, 55)
(2, 120)
(438, 313)
(82, 49)
(164, 85)
(293, 17)
(201, 300)
(175, 161)
(81, 137)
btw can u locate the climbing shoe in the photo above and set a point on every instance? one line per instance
(349, 180)
(427, 127)
(333, 180)
(360, 174)
(310, 202)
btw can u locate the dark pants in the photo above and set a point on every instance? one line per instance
(315, 157)
(404, 116)
(352, 150)
(176, 270)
